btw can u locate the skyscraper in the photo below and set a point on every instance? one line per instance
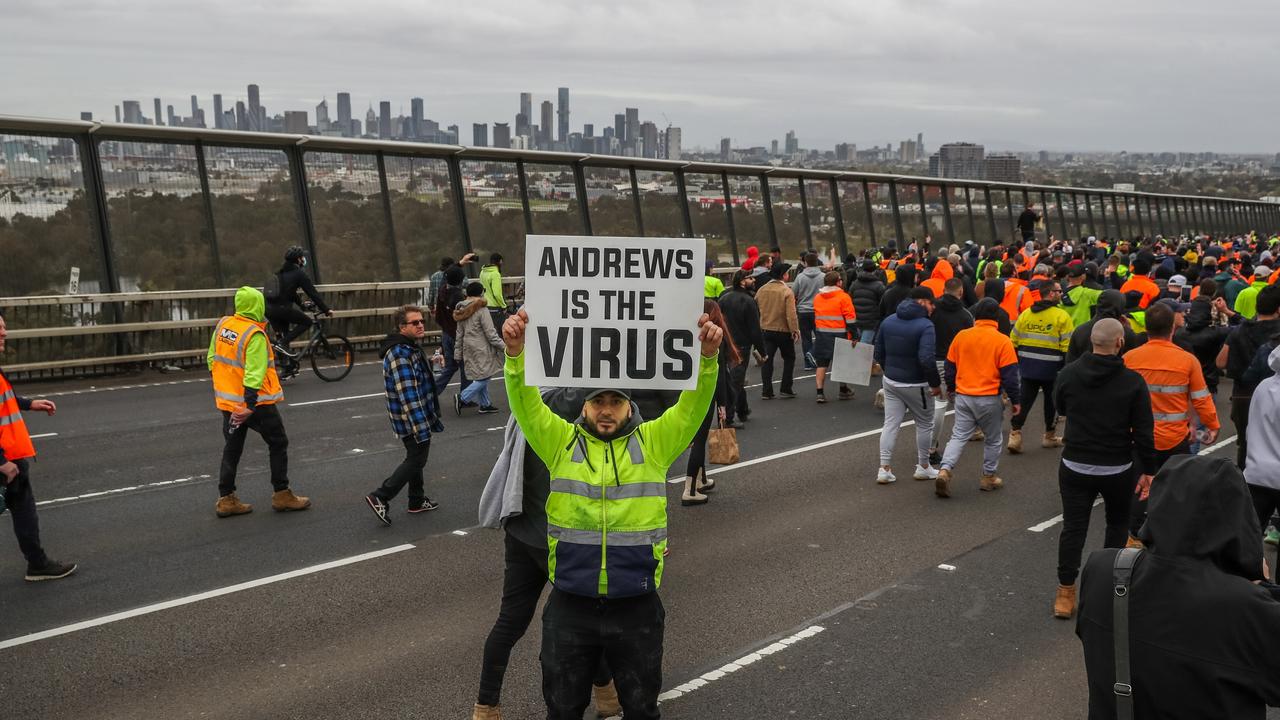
(322, 116)
(133, 112)
(219, 122)
(416, 115)
(171, 117)
(793, 143)
(522, 125)
(773, 148)
(673, 150)
(86, 116)
(384, 119)
(562, 115)
(633, 125)
(480, 134)
(370, 122)
(295, 121)
(620, 127)
(547, 111)
(919, 146)
(501, 135)
(158, 116)
(344, 115)
(197, 116)
(242, 116)
(526, 106)
(959, 160)
(649, 134)
(725, 149)
(255, 109)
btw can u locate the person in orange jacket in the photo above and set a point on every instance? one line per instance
(1140, 282)
(834, 319)
(941, 273)
(1177, 388)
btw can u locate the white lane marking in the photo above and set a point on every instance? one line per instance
(947, 568)
(44, 435)
(500, 427)
(459, 532)
(736, 665)
(797, 451)
(1041, 527)
(334, 400)
(178, 602)
(100, 493)
(798, 377)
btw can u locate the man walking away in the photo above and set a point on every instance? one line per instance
(1242, 345)
(742, 315)
(1041, 337)
(1201, 631)
(980, 365)
(866, 289)
(1176, 386)
(950, 316)
(450, 295)
(1101, 442)
(478, 348)
(16, 452)
(781, 329)
(246, 390)
(807, 284)
(834, 321)
(411, 403)
(904, 349)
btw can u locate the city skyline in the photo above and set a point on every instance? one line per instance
(835, 73)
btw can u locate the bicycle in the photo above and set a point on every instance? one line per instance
(331, 355)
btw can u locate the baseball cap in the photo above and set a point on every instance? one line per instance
(1179, 280)
(600, 391)
(1262, 272)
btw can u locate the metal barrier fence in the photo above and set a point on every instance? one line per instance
(117, 241)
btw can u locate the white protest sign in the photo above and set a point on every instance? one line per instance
(613, 311)
(852, 364)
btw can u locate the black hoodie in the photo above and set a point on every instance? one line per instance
(1244, 342)
(1204, 339)
(1113, 432)
(950, 316)
(1201, 632)
(1110, 304)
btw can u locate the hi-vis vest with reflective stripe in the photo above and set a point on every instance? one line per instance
(606, 519)
(1176, 384)
(233, 333)
(15, 441)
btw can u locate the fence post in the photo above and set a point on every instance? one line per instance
(635, 201)
(728, 215)
(386, 214)
(302, 196)
(580, 182)
(871, 216)
(842, 242)
(683, 191)
(203, 170)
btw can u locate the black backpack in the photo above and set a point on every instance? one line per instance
(271, 288)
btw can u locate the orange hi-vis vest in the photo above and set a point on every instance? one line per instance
(233, 333)
(1016, 299)
(15, 441)
(833, 312)
(1176, 383)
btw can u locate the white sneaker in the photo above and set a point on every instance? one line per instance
(884, 477)
(879, 401)
(923, 473)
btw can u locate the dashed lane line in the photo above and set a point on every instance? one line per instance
(178, 602)
(736, 665)
(1041, 527)
(116, 491)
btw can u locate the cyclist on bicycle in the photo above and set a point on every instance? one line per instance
(287, 320)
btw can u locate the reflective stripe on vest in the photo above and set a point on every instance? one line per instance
(1169, 389)
(1170, 417)
(1030, 355)
(1196, 395)
(620, 538)
(228, 366)
(610, 492)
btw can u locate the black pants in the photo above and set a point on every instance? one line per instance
(21, 502)
(738, 386)
(1138, 508)
(409, 472)
(265, 421)
(1266, 501)
(1078, 493)
(807, 328)
(775, 341)
(522, 583)
(577, 631)
(698, 449)
(288, 321)
(1031, 388)
(1240, 418)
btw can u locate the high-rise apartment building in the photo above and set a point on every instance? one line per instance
(562, 115)
(480, 134)
(523, 128)
(673, 150)
(133, 112)
(197, 115)
(502, 135)
(86, 116)
(171, 117)
(726, 149)
(649, 134)
(793, 143)
(526, 106)
(1003, 168)
(219, 121)
(620, 127)
(322, 116)
(157, 118)
(773, 148)
(846, 152)
(344, 115)
(242, 117)
(417, 113)
(633, 125)
(295, 121)
(958, 160)
(547, 123)
(371, 122)
(255, 109)
(384, 119)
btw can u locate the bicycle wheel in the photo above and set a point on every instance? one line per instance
(332, 357)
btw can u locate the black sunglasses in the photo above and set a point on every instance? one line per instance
(415, 322)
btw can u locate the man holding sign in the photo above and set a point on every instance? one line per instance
(607, 509)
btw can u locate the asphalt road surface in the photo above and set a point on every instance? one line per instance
(803, 589)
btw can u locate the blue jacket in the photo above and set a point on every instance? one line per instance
(410, 387)
(905, 346)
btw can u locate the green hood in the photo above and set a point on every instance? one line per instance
(250, 304)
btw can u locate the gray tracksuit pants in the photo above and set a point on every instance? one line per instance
(973, 412)
(898, 402)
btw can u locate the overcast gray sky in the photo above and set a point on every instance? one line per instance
(1140, 75)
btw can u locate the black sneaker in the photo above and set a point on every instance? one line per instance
(935, 458)
(487, 409)
(766, 396)
(457, 404)
(425, 506)
(379, 508)
(49, 570)
(846, 392)
(787, 395)
(821, 397)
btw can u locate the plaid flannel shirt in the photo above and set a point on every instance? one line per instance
(411, 392)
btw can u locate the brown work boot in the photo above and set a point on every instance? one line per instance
(990, 482)
(1064, 605)
(977, 436)
(607, 704)
(486, 712)
(942, 485)
(1015, 442)
(229, 505)
(1134, 542)
(1051, 440)
(285, 500)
